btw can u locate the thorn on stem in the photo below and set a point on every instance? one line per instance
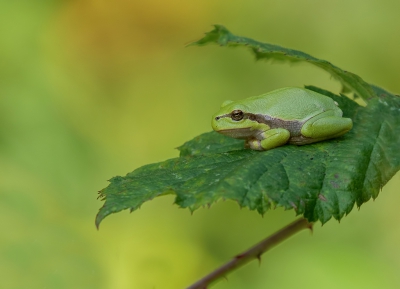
(311, 227)
(259, 259)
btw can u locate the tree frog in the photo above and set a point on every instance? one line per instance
(287, 115)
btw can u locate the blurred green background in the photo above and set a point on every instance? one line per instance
(91, 89)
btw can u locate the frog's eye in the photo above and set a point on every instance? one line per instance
(237, 115)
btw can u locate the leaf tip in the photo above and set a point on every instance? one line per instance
(98, 220)
(216, 35)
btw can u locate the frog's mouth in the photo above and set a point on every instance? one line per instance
(240, 133)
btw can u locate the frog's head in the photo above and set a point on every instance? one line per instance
(234, 120)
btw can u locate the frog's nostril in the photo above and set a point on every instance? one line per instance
(217, 118)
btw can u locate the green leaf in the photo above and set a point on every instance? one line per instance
(210, 142)
(319, 181)
(350, 82)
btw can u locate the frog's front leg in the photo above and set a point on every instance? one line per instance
(269, 139)
(326, 125)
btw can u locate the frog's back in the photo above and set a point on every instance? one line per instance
(291, 103)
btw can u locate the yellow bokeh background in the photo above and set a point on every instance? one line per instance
(90, 89)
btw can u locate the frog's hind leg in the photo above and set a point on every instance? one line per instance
(326, 125)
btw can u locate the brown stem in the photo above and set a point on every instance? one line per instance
(254, 252)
